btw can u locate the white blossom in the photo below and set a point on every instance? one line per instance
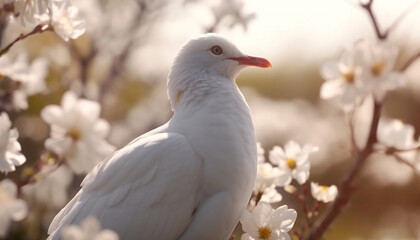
(343, 78)
(323, 193)
(29, 13)
(10, 155)
(50, 190)
(396, 134)
(293, 160)
(271, 195)
(11, 209)
(89, 229)
(265, 223)
(77, 132)
(65, 19)
(61, 15)
(378, 64)
(268, 177)
(363, 70)
(30, 77)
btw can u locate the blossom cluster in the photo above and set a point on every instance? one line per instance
(27, 79)
(77, 139)
(77, 132)
(60, 15)
(285, 165)
(366, 69)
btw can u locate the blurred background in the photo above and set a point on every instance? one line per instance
(124, 57)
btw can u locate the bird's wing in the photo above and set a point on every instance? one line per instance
(146, 190)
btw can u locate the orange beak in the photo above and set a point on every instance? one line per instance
(253, 61)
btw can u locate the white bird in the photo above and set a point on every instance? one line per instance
(190, 178)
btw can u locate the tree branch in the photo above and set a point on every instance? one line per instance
(347, 184)
(403, 161)
(368, 7)
(38, 29)
(410, 61)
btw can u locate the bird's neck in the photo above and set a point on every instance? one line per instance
(215, 92)
(217, 102)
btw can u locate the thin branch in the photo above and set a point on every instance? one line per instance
(401, 160)
(302, 199)
(346, 187)
(368, 7)
(33, 178)
(84, 61)
(381, 36)
(393, 150)
(38, 29)
(410, 61)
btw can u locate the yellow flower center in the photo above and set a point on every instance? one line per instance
(264, 233)
(349, 77)
(75, 134)
(324, 188)
(378, 68)
(291, 163)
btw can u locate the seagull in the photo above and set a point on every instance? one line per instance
(191, 178)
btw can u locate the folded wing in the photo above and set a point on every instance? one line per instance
(146, 190)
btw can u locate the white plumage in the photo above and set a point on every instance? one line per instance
(190, 178)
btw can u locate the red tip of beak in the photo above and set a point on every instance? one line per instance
(253, 61)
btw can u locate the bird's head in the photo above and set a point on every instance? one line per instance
(206, 56)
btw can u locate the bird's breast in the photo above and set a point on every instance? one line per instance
(221, 132)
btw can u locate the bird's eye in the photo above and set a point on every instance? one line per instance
(216, 50)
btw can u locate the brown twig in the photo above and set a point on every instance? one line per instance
(33, 178)
(403, 161)
(410, 61)
(393, 150)
(346, 186)
(84, 61)
(368, 7)
(38, 29)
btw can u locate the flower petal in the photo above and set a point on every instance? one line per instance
(262, 213)
(331, 89)
(283, 219)
(52, 114)
(329, 71)
(292, 149)
(276, 155)
(248, 224)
